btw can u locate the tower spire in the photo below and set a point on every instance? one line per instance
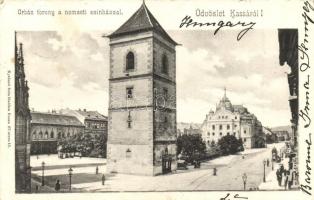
(225, 95)
(15, 48)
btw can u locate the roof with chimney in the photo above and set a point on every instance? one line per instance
(54, 119)
(142, 20)
(92, 115)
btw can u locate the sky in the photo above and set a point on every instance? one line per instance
(71, 70)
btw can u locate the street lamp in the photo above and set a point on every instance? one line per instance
(43, 173)
(264, 178)
(244, 178)
(70, 176)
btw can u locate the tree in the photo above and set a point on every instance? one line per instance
(191, 146)
(85, 144)
(212, 144)
(100, 146)
(271, 138)
(229, 144)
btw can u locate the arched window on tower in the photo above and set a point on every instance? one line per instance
(165, 65)
(130, 61)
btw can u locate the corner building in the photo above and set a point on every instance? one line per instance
(142, 98)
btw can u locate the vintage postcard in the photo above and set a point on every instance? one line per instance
(156, 99)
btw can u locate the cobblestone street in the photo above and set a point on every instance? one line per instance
(229, 175)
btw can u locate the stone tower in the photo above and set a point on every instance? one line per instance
(142, 98)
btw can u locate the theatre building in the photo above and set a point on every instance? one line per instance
(49, 128)
(234, 120)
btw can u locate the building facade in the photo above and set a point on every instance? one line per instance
(188, 129)
(142, 97)
(95, 123)
(22, 125)
(288, 54)
(234, 120)
(49, 128)
(282, 135)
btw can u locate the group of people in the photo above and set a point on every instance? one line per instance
(285, 177)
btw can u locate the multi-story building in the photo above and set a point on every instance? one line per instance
(49, 128)
(282, 135)
(22, 125)
(234, 120)
(188, 129)
(288, 54)
(142, 97)
(95, 123)
(271, 137)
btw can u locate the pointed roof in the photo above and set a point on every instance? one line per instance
(142, 20)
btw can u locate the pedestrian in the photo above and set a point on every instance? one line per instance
(285, 178)
(282, 169)
(97, 169)
(215, 171)
(290, 179)
(58, 185)
(267, 162)
(279, 176)
(103, 179)
(36, 188)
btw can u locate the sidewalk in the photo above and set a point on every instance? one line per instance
(271, 178)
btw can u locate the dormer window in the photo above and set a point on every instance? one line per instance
(164, 67)
(129, 61)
